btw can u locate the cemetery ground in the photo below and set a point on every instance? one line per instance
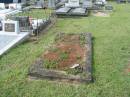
(111, 59)
(36, 13)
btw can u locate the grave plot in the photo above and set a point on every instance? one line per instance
(102, 10)
(101, 14)
(79, 11)
(63, 11)
(73, 8)
(68, 59)
(81, 8)
(71, 11)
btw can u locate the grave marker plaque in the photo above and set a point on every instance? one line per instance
(9, 27)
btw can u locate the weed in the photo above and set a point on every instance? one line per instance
(50, 63)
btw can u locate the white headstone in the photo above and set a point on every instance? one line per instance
(104, 1)
(2, 6)
(72, 3)
(13, 6)
(87, 4)
(19, 6)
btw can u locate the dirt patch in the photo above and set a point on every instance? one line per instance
(127, 69)
(66, 52)
(74, 54)
(68, 49)
(101, 14)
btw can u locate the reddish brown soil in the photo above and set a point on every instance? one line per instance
(51, 55)
(127, 69)
(70, 44)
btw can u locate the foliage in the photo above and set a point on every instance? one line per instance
(75, 71)
(50, 64)
(64, 55)
(82, 39)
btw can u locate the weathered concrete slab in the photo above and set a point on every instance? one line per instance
(9, 41)
(63, 10)
(72, 3)
(79, 11)
(5, 40)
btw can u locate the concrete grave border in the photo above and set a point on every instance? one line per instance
(38, 72)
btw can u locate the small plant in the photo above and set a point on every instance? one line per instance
(74, 71)
(64, 55)
(78, 57)
(54, 49)
(82, 39)
(59, 36)
(50, 63)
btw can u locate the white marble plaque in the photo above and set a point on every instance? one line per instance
(72, 3)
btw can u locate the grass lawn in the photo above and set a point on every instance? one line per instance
(36, 13)
(111, 45)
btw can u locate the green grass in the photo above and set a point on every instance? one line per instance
(111, 45)
(36, 13)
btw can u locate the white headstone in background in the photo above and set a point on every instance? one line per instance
(104, 1)
(87, 4)
(11, 27)
(2, 6)
(72, 3)
(19, 6)
(13, 6)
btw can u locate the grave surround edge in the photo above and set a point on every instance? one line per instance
(36, 70)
